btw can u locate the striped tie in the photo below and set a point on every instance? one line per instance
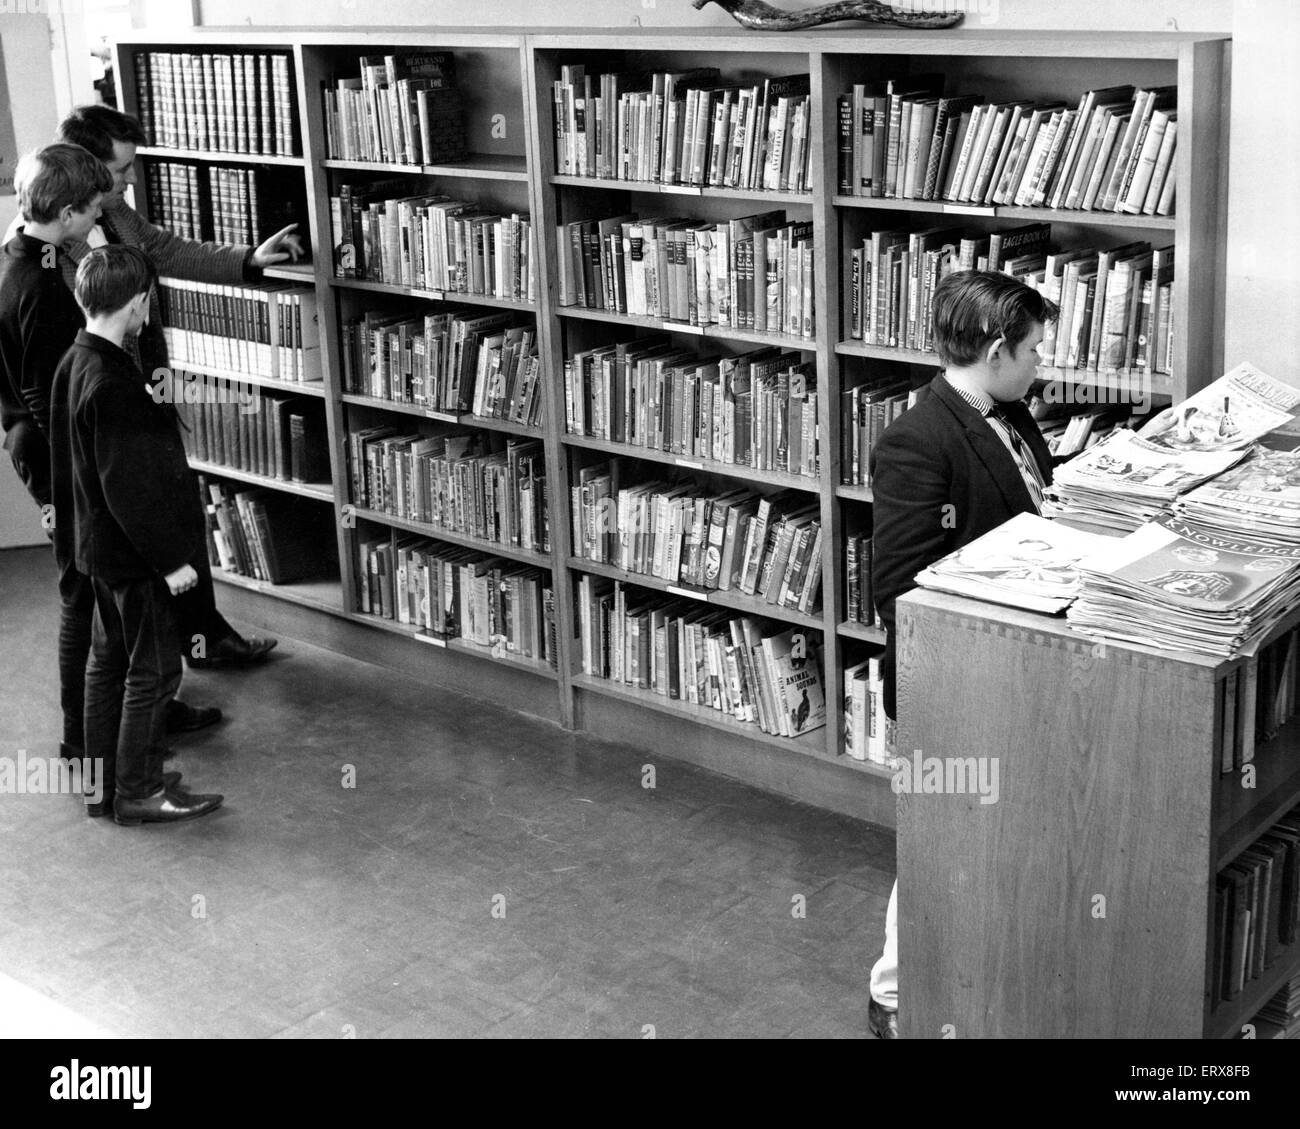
(1025, 461)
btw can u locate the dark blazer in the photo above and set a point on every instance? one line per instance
(941, 477)
(126, 503)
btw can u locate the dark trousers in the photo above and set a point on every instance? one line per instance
(30, 452)
(134, 669)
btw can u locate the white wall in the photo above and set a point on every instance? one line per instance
(25, 40)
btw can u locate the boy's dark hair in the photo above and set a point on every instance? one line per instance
(110, 276)
(58, 177)
(974, 308)
(97, 127)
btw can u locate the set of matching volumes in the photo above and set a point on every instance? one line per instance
(264, 329)
(229, 102)
(857, 575)
(766, 547)
(465, 484)
(868, 730)
(1113, 152)
(753, 273)
(684, 128)
(449, 362)
(403, 109)
(1256, 907)
(1256, 700)
(1116, 304)
(262, 534)
(865, 411)
(428, 242)
(743, 667)
(758, 409)
(223, 206)
(274, 436)
(447, 592)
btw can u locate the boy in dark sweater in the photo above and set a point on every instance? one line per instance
(120, 470)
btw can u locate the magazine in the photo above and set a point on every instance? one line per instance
(1261, 493)
(1232, 412)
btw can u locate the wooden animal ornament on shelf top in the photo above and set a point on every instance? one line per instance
(758, 16)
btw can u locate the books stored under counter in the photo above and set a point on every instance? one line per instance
(741, 666)
(457, 593)
(752, 273)
(267, 329)
(382, 233)
(403, 109)
(452, 362)
(264, 535)
(868, 730)
(766, 547)
(1113, 152)
(475, 484)
(684, 128)
(757, 409)
(224, 101)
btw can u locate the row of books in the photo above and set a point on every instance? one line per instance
(455, 361)
(868, 730)
(860, 606)
(275, 436)
(750, 273)
(757, 409)
(684, 128)
(1068, 434)
(454, 593)
(1256, 699)
(1256, 908)
(382, 233)
(471, 484)
(231, 102)
(741, 666)
(265, 535)
(1280, 1017)
(1116, 304)
(224, 205)
(766, 547)
(264, 329)
(402, 109)
(1113, 152)
(865, 411)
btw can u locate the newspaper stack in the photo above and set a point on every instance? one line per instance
(1127, 480)
(1260, 496)
(1173, 585)
(1027, 562)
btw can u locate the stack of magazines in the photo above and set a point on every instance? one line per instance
(1129, 479)
(1260, 496)
(1173, 585)
(1027, 562)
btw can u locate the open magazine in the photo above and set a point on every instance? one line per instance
(1233, 412)
(1027, 562)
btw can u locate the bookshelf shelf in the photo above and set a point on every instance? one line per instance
(718, 332)
(397, 406)
(458, 645)
(292, 272)
(1228, 1019)
(706, 466)
(294, 387)
(736, 601)
(562, 180)
(321, 492)
(477, 166)
(853, 493)
(320, 595)
(431, 295)
(1241, 814)
(510, 426)
(437, 533)
(1008, 212)
(862, 632)
(217, 155)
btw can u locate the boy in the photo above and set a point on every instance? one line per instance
(965, 459)
(120, 470)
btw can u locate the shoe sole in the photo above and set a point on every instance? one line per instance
(130, 821)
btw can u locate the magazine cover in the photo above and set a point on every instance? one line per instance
(1232, 412)
(1126, 463)
(798, 682)
(1266, 483)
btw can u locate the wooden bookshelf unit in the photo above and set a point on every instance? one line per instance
(506, 80)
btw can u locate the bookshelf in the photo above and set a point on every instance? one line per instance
(506, 83)
(1109, 788)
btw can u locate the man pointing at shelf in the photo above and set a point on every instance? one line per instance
(967, 458)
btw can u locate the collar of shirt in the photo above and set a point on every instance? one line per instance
(978, 399)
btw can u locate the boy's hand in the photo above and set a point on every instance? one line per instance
(182, 580)
(282, 245)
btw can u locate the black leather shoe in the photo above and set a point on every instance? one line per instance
(235, 650)
(186, 719)
(882, 1021)
(103, 806)
(171, 805)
